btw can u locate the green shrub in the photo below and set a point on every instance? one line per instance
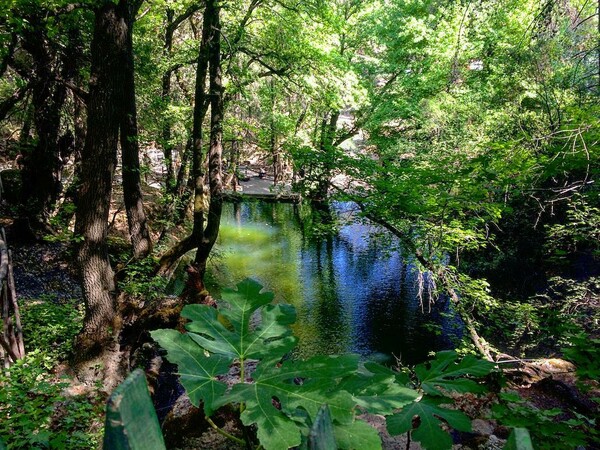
(547, 432)
(35, 414)
(51, 326)
(584, 352)
(140, 281)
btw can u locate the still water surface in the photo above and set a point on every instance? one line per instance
(353, 291)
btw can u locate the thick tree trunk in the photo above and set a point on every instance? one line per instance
(132, 191)
(97, 346)
(200, 108)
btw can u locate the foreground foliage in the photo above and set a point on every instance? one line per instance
(546, 431)
(35, 410)
(281, 396)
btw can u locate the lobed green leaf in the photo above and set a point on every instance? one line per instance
(197, 371)
(429, 432)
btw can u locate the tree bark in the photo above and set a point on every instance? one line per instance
(42, 163)
(97, 346)
(132, 191)
(215, 153)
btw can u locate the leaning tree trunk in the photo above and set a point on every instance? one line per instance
(215, 153)
(97, 347)
(132, 191)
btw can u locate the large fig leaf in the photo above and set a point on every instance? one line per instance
(444, 372)
(241, 303)
(228, 331)
(375, 389)
(197, 371)
(429, 432)
(278, 390)
(357, 435)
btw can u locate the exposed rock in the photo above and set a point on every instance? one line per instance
(553, 365)
(482, 427)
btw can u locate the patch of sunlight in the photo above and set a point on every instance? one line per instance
(248, 235)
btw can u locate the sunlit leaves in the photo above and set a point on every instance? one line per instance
(445, 374)
(228, 332)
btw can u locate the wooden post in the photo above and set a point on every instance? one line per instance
(12, 345)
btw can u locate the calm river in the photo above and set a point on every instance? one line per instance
(353, 291)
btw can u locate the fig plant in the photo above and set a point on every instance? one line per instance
(282, 396)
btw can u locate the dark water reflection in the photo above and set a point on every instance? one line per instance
(353, 291)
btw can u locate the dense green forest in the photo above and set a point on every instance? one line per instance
(463, 135)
